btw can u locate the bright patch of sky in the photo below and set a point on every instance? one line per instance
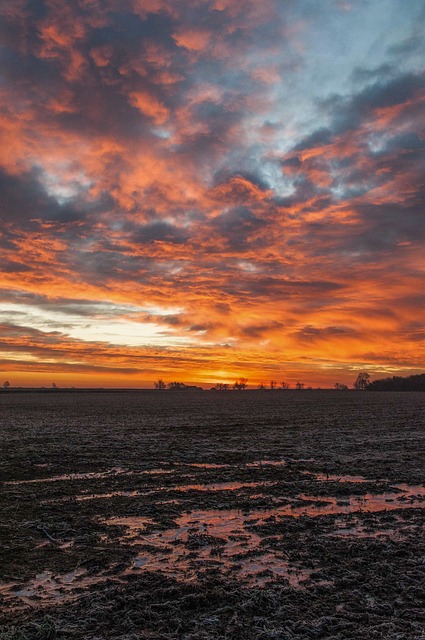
(63, 186)
(105, 323)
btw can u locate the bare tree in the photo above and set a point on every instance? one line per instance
(272, 384)
(6, 384)
(285, 385)
(243, 383)
(362, 381)
(160, 384)
(340, 387)
(176, 385)
(299, 385)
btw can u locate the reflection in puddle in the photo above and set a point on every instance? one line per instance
(48, 588)
(396, 530)
(217, 486)
(224, 539)
(216, 465)
(92, 475)
(411, 490)
(336, 477)
(211, 540)
(267, 463)
(72, 476)
(205, 465)
(204, 541)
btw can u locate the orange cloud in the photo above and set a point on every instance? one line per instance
(153, 162)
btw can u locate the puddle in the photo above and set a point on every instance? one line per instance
(71, 476)
(90, 475)
(214, 465)
(152, 472)
(224, 540)
(368, 503)
(217, 486)
(205, 465)
(207, 540)
(101, 496)
(337, 477)
(327, 505)
(411, 490)
(396, 531)
(267, 463)
(47, 588)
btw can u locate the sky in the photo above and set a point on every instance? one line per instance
(198, 190)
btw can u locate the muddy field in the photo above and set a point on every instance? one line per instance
(238, 515)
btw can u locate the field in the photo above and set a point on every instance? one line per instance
(201, 515)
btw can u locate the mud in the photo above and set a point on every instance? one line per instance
(232, 516)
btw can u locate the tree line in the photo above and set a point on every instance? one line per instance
(398, 383)
(362, 383)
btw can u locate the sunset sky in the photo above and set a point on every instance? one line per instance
(199, 190)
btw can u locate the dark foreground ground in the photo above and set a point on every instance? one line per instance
(238, 515)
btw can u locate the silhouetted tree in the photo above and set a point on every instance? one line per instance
(341, 387)
(262, 386)
(299, 385)
(240, 384)
(272, 384)
(362, 381)
(160, 384)
(285, 385)
(54, 385)
(6, 384)
(176, 385)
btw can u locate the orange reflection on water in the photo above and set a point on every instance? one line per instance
(224, 540)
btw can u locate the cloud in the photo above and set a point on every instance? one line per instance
(255, 167)
(160, 232)
(238, 227)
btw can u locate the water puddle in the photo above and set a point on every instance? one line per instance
(333, 477)
(368, 502)
(215, 465)
(90, 475)
(214, 487)
(397, 530)
(71, 476)
(411, 491)
(47, 588)
(267, 463)
(327, 505)
(204, 541)
(219, 486)
(205, 465)
(224, 540)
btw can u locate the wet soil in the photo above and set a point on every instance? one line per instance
(212, 515)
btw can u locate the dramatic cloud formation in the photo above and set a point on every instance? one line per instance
(208, 189)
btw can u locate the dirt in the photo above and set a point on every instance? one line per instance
(212, 515)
